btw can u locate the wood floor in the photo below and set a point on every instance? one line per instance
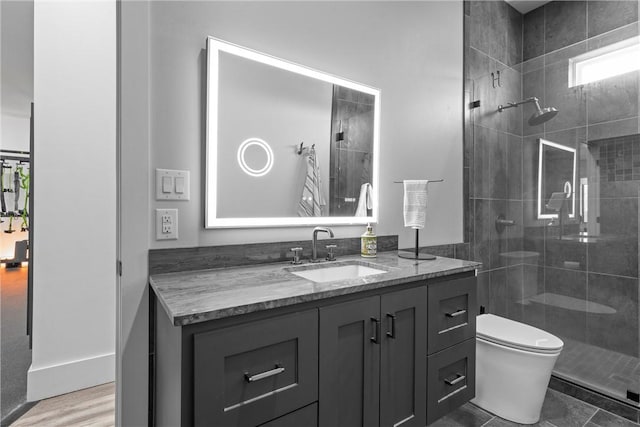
(90, 407)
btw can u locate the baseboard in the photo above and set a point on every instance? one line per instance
(48, 381)
(17, 413)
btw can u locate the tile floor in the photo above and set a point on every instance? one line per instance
(598, 368)
(558, 410)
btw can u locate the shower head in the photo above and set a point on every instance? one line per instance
(541, 115)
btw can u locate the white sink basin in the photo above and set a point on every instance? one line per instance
(331, 272)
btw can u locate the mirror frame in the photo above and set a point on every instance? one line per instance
(542, 143)
(214, 47)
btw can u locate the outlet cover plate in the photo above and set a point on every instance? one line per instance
(166, 224)
(166, 188)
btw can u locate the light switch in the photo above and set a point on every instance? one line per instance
(172, 184)
(167, 184)
(179, 184)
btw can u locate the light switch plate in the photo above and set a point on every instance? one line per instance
(166, 224)
(166, 188)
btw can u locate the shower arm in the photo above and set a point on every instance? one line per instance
(515, 104)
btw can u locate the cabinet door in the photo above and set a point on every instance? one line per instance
(403, 369)
(349, 364)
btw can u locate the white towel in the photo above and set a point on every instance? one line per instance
(312, 200)
(415, 203)
(366, 200)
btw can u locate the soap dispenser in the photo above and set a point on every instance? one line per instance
(368, 243)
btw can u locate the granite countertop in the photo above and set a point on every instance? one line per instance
(197, 296)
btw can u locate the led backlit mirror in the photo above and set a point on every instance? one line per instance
(556, 177)
(287, 145)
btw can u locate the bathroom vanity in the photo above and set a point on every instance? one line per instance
(266, 346)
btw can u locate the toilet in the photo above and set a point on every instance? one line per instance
(513, 367)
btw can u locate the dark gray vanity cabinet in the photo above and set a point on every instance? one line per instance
(373, 361)
(402, 355)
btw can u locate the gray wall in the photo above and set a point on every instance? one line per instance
(418, 75)
(161, 125)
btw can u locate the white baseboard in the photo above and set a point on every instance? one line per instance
(48, 381)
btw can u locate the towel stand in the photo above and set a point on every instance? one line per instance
(416, 253)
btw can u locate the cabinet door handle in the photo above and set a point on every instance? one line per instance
(376, 330)
(455, 379)
(392, 320)
(262, 375)
(456, 313)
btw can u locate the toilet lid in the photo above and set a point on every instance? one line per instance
(515, 334)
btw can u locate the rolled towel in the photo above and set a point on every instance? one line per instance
(415, 203)
(365, 201)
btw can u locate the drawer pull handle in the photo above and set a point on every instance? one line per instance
(455, 380)
(262, 375)
(456, 313)
(392, 319)
(376, 330)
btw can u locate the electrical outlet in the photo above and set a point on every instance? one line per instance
(166, 224)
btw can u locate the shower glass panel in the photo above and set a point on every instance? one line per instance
(587, 279)
(578, 280)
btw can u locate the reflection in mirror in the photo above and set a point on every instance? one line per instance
(556, 176)
(286, 144)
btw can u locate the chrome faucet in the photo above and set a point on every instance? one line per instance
(314, 241)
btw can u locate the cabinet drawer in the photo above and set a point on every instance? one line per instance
(303, 417)
(452, 313)
(451, 379)
(250, 374)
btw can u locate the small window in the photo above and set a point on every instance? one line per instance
(609, 61)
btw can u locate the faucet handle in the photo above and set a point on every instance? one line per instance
(296, 255)
(330, 254)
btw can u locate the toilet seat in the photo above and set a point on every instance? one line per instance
(510, 333)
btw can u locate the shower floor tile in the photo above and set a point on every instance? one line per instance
(597, 368)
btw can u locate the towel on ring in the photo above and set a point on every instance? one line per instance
(312, 200)
(366, 199)
(415, 203)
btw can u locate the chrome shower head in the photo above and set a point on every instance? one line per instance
(541, 115)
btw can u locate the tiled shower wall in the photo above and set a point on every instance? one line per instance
(591, 118)
(493, 148)
(509, 57)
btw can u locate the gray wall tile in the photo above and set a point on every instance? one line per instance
(565, 23)
(612, 129)
(532, 86)
(621, 294)
(570, 102)
(568, 323)
(603, 16)
(514, 167)
(533, 32)
(614, 98)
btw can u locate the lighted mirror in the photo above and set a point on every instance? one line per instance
(287, 145)
(556, 179)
